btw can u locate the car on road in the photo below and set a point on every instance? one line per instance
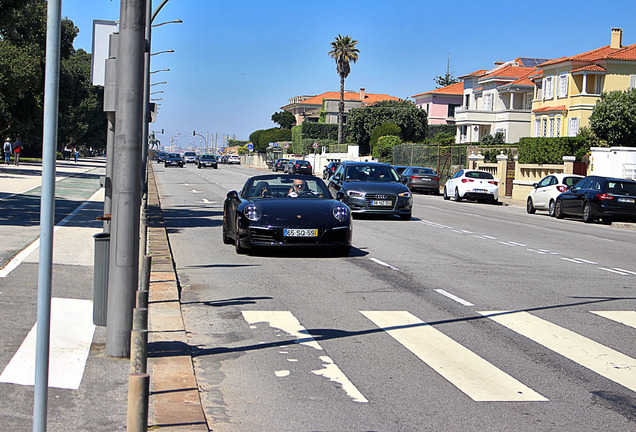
(174, 159)
(544, 194)
(161, 156)
(207, 160)
(472, 184)
(421, 179)
(298, 166)
(399, 169)
(234, 159)
(329, 169)
(371, 188)
(190, 157)
(597, 197)
(280, 210)
(279, 165)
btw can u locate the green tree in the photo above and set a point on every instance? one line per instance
(385, 129)
(284, 119)
(493, 140)
(444, 138)
(614, 118)
(411, 120)
(384, 149)
(445, 80)
(343, 51)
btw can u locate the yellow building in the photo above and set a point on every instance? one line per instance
(567, 88)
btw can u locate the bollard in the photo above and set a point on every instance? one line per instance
(142, 299)
(140, 318)
(144, 278)
(100, 278)
(138, 351)
(138, 389)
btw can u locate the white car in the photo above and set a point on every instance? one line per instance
(190, 157)
(472, 184)
(234, 159)
(544, 194)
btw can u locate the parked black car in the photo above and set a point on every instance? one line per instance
(371, 187)
(279, 210)
(161, 156)
(597, 197)
(279, 165)
(297, 166)
(174, 159)
(207, 160)
(330, 168)
(421, 179)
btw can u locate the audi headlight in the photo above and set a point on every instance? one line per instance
(252, 212)
(355, 194)
(341, 213)
(406, 194)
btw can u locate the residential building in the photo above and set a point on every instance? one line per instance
(440, 104)
(310, 108)
(567, 88)
(497, 100)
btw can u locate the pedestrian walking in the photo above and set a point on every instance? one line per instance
(17, 149)
(75, 153)
(8, 148)
(66, 153)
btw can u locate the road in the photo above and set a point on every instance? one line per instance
(468, 317)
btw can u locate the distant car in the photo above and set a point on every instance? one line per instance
(545, 193)
(174, 159)
(279, 165)
(329, 169)
(234, 159)
(596, 197)
(207, 160)
(399, 169)
(472, 184)
(190, 157)
(279, 210)
(161, 156)
(371, 188)
(421, 179)
(223, 159)
(297, 166)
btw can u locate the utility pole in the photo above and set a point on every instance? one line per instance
(123, 272)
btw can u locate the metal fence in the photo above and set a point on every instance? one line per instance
(445, 159)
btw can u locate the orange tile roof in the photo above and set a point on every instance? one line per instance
(627, 53)
(590, 68)
(476, 73)
(551, 108)
(510, 72)
(369, 98)
(453, 89)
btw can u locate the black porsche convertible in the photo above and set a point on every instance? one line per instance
(279, 210)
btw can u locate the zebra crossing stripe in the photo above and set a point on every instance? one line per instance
(477, 378)
(605, 361)
(624, 317)
(71, 336)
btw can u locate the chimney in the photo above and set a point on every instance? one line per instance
(362, 94)
(617, 38)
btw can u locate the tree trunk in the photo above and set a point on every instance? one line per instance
(341, 107)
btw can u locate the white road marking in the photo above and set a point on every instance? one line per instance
(585, 261)
(434, 224)
(285, 321)
(624, 317)
(477, 378)
(490, 237)
(574, 260)
(205, 201)
(537, 251)
(605, 361)
(614, 271)
(382, 263)
(72, 332)
(511, 244)
(454, 297)
(22, 255)
(282, 373)
(626, 271)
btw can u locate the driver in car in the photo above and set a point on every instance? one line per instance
(298, 188)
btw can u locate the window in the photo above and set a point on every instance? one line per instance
(573, 126)
(539, 90)
(563, 85)
(558, 126)
(451, 109)
(598, 84)
(527, 101)
(537, 127)
(545, 128)
(632, 81)
(549, 88)
(551, 126)
(467, 102)
(487, 104)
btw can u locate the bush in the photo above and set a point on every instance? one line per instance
(318, 131)
(383, 151)
(270, 135)
(385, 129)
(444, 138)
(493, 140)
(543, 150)
(436, 129)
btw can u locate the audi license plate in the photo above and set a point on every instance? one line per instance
(626, 200)
(296, 232)
(383, 203)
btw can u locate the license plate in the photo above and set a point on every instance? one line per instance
(480, 190)
(295, 232)
(626, 200)
(380, 203)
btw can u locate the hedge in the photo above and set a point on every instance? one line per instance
(318, 131)
(543, 150)
(434, 129)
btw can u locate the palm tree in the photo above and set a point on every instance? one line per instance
(343, 51)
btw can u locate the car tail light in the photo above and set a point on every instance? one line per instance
(435, 178)
(604, 196)
(467, 180)
(414, 178)
(493, 183)
(296, 166)
(562, 188)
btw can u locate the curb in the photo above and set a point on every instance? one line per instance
(174, 404)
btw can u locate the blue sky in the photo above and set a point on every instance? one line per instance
(237, 62)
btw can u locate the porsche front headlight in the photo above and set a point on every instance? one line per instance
(341, 213)
(252, 212)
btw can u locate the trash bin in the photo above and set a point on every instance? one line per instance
(100, 278)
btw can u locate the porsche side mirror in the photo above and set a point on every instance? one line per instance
(232, 194)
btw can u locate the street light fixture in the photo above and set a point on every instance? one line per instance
(162, 82)
(160, 70)
(162, 52)
(157, 92)
(177, 21)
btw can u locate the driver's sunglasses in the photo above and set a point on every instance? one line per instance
(299, 186)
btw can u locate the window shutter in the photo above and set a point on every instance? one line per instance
(632, 81)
